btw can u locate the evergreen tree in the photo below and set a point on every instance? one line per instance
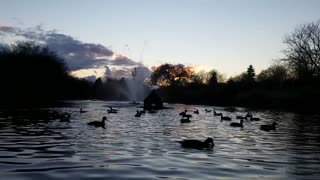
(250, 76)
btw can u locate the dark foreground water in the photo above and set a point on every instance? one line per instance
(32, 147)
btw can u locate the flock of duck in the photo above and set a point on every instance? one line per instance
(195, 144)
(209, 143)
(186, 119)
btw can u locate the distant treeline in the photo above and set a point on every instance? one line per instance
(33, 75)
(272, 88)
(292, 83)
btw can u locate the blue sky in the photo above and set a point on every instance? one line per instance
(224, 35)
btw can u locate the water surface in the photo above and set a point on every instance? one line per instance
(34, 144)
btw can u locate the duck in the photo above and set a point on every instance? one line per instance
(185, 120)
(183, 112)
(207, 110)
(196, 111)
(254, 119)
(65, 118)
(248, 115)
(196, 144)
(268, 127)
(186, 115)
(98, 123)
(138, 114)
(235, 124)
(216, 114)
(111, 110)
(225, 118)
(82, 111)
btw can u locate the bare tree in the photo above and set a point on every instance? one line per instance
(303, 50)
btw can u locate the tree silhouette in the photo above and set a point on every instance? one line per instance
(273, 77)
(250, 76)
(303, 50)
(168, 74)
(30, 74)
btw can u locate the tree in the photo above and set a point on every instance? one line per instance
(169, 74)
(214, 77)
(303, 50)
(250, 76)
(275, 75)
(30, 73)
(200, 78)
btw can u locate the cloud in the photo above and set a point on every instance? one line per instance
(79, 56)
(121, 60)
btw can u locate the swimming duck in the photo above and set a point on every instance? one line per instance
(112, 109)
(268, 127)
(207, 110)
(216, 114)
(82, 111)
(138, 114)
(254, 119)
(235, 124)
(98, 123)
(185, 120)
(186, 116)
(183, 113)
(115, 111)
(196, 111)
(196, 144)
(248, 115)
(225, 118)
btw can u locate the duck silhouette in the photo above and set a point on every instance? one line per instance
(82, 111)
(268, 127)
(112, 110)
(196, 144)
(138, 114)
(183, 113)
(254, 119)
(185, 120)
(235, 124)
(196, 111)
(186, 116)
(207, 110)
(225, 118)
(98, 123)
(216, 114)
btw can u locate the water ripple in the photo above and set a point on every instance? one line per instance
(34, 144)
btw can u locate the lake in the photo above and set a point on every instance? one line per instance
(33, 146)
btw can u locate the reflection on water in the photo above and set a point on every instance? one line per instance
(34, 144)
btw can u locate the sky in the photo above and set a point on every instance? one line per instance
(225, 35)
